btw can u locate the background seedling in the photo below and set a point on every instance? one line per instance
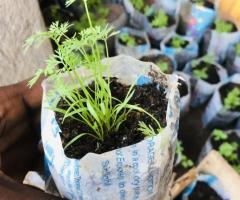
(237, 49)
(232, 101)
(223, 27)
(160, 20)
(128, 39)
(162, 65)
(177, 42)
(185, 161)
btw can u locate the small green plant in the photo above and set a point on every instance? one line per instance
(202, 73)
(177, 42)
(162, 65)
(223, 27)
(229, 150)
(200, 2)
(138, 4)
(185, 161)
(128, 39)
(237, 49)
(93, 106)
(232, 101)
(160, 20)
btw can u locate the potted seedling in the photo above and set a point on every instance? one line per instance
(233, 59)
(223, 31)
(195, 18)
(182, 49)
(224, 106)
(228, 145)
(108, 126)
(165, 63)
(184, 88)
(206, 76)
(132, 42)
(160, 25)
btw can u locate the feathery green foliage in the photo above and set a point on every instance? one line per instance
(232, 101)
(223, 27)
(138, 4)
(219, 135)
(93, 106)
(160, 20)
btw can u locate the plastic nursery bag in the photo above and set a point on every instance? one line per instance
(140, 171)
(134, 51)
(215, 115)
(202, 89)
(232, 61)
(211, 181)
(218, 43)
(181, 55)
(140, 21)
(195, 19)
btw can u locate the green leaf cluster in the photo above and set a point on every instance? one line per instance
(177, 42)
(128, 39)
(138, 4)
(202, 73)
(229, 150)
(232, 101)
(160, 20)
(200, 2)
(162, 65)
(93, 106)
(185, 161)
(223, 27)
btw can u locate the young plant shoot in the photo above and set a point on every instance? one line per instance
(232, 101)
(177, 42)
(201, 73)
(229, 150)
(162, 65)
(92, 107)
(127, 39)
(160, 20)
(223, 27)
(185, 161)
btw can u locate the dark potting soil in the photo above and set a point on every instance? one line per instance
(156, 58)
(213, 77)
(225, 89)
(171, 20)
(182, 87)
(203, 192)
(168, 44)
(147, 96)
(138, 40)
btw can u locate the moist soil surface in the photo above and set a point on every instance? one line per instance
(225, 89)
(169, 44)
(213, 77)
(203, 192)
(157, 58)
(138, 40)
(147, 97)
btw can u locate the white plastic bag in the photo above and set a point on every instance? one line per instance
(140, 171)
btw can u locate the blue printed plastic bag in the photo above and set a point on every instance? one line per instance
(140, 171)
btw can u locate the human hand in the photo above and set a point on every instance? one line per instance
(19, 139)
